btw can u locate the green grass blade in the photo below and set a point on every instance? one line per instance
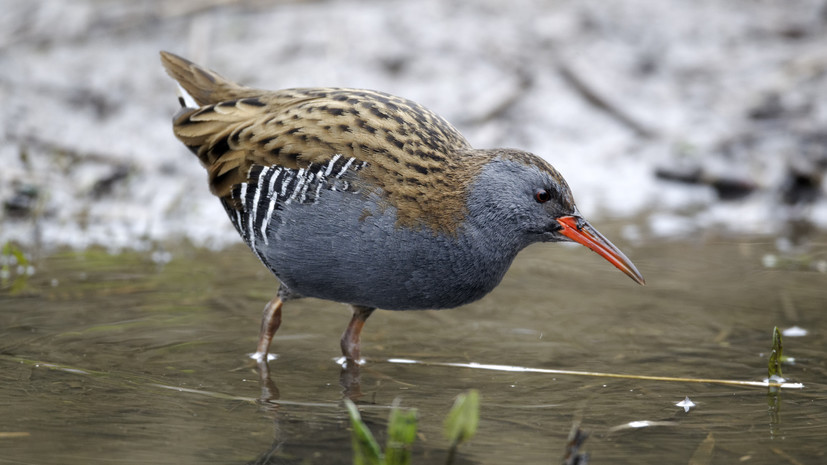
(774, 368)
(401, 435)
(461, 423)
(365, 448)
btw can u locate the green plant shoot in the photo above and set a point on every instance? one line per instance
(401, 435)
(365, 448)
(774, 368)
(461, 423)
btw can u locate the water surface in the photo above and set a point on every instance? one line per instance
(117, 359)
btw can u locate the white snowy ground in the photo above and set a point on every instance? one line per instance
(84, 99)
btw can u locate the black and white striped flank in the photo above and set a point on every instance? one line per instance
(271, 188)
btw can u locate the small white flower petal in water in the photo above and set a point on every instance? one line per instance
(795, 331)
(686, 404)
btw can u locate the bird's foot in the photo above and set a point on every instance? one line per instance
(259, 357)
(347, 361)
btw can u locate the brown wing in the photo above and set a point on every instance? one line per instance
(408, 149)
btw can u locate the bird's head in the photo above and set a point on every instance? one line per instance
(530, 201)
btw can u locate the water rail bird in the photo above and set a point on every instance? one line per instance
(369, 199)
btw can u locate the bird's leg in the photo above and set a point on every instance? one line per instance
(270, 322)
(350, 338)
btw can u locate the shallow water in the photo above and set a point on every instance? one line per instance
(116, 359)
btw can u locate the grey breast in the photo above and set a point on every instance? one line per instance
(323, 237)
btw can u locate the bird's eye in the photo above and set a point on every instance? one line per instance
(542, 195)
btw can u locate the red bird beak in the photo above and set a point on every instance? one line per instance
(579, 230)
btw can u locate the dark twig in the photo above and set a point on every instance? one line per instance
(600, 102)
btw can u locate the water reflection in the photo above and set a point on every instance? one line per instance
(291, 443)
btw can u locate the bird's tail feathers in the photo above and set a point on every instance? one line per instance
(201, 86)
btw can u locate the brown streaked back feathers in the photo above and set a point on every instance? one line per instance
(420, 163)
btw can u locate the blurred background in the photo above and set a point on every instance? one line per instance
(677, 117)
